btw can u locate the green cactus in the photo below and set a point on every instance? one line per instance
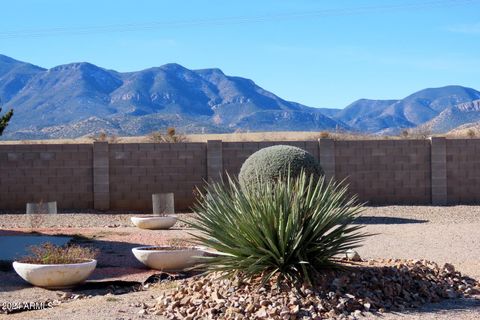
(268, 164)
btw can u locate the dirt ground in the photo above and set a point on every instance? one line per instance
(441, 234)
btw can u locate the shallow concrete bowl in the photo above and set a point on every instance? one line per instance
(168, 258)
(154, 222)
(55, 276)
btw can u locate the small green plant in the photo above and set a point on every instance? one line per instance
(268, 164)
(4, 120)
(49, 253)
(171, 136)
(290, 229)
(471, 133)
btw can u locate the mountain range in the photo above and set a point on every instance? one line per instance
(81, 99)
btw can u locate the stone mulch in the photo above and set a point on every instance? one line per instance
(373, 286)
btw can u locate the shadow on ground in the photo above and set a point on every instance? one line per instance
(461, 304)
(387, 220)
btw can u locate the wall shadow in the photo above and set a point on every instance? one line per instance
(386, 220)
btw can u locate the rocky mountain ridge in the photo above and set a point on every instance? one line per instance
(79, 99)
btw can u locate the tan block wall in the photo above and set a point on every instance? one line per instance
(34, 173)
(380, 172)
(386, 171)
(139, 170)
(463, 171)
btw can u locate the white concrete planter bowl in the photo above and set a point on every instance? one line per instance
(154, 222)
(168, 258)
(55, 276)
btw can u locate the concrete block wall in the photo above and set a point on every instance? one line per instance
(438, 164)
(34, 173)
(101, 176)
(386, 171)
(463, 171)
(139, 170)
(124, 176)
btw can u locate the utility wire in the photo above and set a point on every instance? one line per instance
(119, 28)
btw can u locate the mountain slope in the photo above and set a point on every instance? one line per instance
(363, 114)
(390, 116)
(80, 98)
(63, 94)
(428, 103)
(14, 75)
(453, 117)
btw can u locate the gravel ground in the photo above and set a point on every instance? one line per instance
(74, 220)
(442, 234)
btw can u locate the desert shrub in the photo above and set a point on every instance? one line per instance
(104, 137)
(419, 133)
(171, 136)
(100, 137)
(290, 229)
(49, 253)
(270, 163)
(324, 135)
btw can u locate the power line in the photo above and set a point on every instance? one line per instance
(118, 28)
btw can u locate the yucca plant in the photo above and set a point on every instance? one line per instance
(291, 229)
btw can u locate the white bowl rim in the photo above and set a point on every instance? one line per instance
(164, 249)
(153, 216)
(87, 262)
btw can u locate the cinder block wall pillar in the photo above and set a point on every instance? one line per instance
(214, 160)
(101, 179)
(439, 170)
(327, 157)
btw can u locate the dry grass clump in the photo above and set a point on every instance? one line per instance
(171, 136)
(104, 137)
(416, 133)
(175, 243)
(49, 253)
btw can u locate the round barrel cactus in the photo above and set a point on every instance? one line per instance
(268, 164)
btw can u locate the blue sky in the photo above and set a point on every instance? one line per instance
(319, 53)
